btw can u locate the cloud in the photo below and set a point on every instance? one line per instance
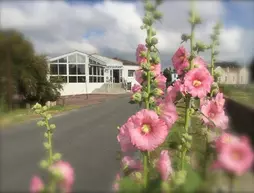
(113, 27)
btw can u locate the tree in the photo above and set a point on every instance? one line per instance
(252, 70)
(22, 71)
(168, 74)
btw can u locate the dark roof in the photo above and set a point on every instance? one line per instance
(126, 62)
(224, 64)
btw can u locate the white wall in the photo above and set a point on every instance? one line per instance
(125, 74)
(79, 88)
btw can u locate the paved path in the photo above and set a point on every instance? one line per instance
(86, 138)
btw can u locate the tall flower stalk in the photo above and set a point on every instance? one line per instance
(60, 173)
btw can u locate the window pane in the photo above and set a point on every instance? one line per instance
(102, 71)
(102, 79)
(94, 70)
(72, 79)
(90, 70)
(72, 69)
(63, 60)
(72, 58)
(81, 79)
(94, 79)
(81, 69)
(81, 58)
(131, 73)
(91, 61)
(54, 61)
(54, 69)
(90, 79)
(62, 69)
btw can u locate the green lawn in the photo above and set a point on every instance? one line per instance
(21, 115)
(241, 93)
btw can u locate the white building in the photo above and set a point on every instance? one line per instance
(233, 73)
(84, 73)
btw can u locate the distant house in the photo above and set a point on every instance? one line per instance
(83, 73)
(233, 73)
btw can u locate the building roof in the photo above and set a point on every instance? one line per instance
(127, 62)
(107, 59)
(225, 64)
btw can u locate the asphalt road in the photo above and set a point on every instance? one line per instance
(86, 138)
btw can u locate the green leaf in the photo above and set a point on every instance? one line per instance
(193, 180)
(127, 185)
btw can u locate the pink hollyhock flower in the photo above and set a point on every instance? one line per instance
(138, 75)
(36, 185)
(161, 81)
(146, 130)
(139, 58)
(159, 101)
(171, 94)
(225, 138)
(199, 62)
(219, 118)
(164, 165)
(220, 101)
(131, 163)
(116, 183)
(124, 137)
(168, 113)
(180, 60)
(235, 157)
(198, 82)
(67, 173)
(156, 69)
(136, 88)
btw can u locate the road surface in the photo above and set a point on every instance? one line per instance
(86, 138)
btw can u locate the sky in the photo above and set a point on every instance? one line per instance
(112, 28)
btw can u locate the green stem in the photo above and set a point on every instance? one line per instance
(146, 154)
(50, 158)
(231, 182)
(145, 157)
(212, 60)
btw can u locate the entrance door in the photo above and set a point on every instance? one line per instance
(116, 76)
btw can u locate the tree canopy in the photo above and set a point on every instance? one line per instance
(22, 71)
(168, 74)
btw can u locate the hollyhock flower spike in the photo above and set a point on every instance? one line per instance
(140, 59)
(138, 76)
(161, 81)
(236, 158)
(164, 165)
(156, 69)
(146, 130)
(180, 60)
(36, 185)
(136, 88)
(124, 137)
(199, 62)
(197, 82)
(218, 117)
(67, 173)
(168, 113)
(131, 163)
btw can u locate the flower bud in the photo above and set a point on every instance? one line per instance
(157, 92)
(40, 123)
(145, 95)
(44, 108)
(52, 126)
(46, 145)
(44, 164)
(153, 32)
(149, 7)
(147, 41)
(148, 21)
(151, 100)
(154, 41)
(143, 53)
(136, 97)
(157, 15)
